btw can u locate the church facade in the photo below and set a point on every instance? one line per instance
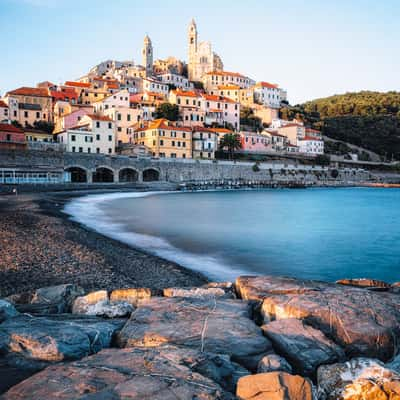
(201, 58)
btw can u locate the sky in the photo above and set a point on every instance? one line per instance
(310, 48)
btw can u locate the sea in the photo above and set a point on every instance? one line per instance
(319, 233)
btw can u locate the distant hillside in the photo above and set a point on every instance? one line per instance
(367, 119)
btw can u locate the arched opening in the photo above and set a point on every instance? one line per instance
(103, 175)
(128, 175)
(78, 175)
(150, 175)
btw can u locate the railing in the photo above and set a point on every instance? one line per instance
(45, 146)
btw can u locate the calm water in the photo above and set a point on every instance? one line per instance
(312, 233)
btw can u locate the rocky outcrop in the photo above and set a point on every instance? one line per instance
(195, 292)
(358, 379)
(363, 322)
(272, 363)
(97, 303)
(304, 347)
(7, 310)
(274, 386)
(165, 372)
(212, 325)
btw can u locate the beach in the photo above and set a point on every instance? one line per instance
(40, 246)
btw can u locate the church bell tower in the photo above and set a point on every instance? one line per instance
(192, 38)
(147, 56)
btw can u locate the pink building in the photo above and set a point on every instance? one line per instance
(252, 141)
(11, 137)
(72, 120)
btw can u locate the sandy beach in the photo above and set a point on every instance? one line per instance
(41, 246)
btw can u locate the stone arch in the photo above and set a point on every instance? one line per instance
(128, 174)
(151, 174)
(78, 174)
(103, 174)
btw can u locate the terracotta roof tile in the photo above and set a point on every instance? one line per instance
(28, 91)
(78, 84)
(10, 128)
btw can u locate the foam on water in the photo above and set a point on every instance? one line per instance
(87, 211)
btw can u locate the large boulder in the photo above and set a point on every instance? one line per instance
(358, 379)
(274, 386)
(303, 346)
(198, 292)
(363, 322)
(163, 373)
(212, 325)
(7, 310)
(98, 303)
(130, 295)
(372, 284)
(272, 363)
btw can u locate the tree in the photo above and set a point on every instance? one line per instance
(231, 142)
(322, 159)
(248, 119)
(44, 126)
(168, 111)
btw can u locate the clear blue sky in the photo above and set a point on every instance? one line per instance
(312, 48)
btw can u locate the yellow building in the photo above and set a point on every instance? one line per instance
(164, 138)
(29, 105)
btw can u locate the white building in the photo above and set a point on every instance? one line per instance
(178, 81)
(214, 79)
(94, 134)
(311, 145)
(4, 114)
(119, 99)
(151, 85)
(268, 94)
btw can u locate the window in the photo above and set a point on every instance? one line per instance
(128, 117)
(73, 149)
(161, 142)
(8, 137)
(109, 151)
(118, 117)
(109, 125)
(183, 135)
(110, 138)
(73, 138)
(80, 149)
(26, 114)
(97, 137)
(97, 150)
(183, 155)
(183, 144)
(37, 114)
(173, 155)
(89, 150)
(119, 129)
(97, 124)
(173, 143)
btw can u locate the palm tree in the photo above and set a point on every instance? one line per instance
(232, 142)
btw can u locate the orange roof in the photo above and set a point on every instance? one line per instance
(78, 84)
(229, 87)
(226, 73)
(28, 91)
(2, 104)
(267, 85)
(163, 123)
(154, 94)
(61, 95)
(212, 97)
(188, 93)
(10, 128)
(99, 117)
(202, 129)
(221, 130)
(113, 85)
(310, 138)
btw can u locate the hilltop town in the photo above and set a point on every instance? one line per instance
(158, 108)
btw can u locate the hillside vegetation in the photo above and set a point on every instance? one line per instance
(367, 119)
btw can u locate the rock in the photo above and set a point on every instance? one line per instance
(40, 339)
(47, 300)
(371, 284)
(304, 347)
(273, 362)
(212, 325)
(7, 310)
(196, 292)
(131, 295)
(394, 364)
(163, 373)
(358, 379)
(274, 386)
(97, 303)
(363, 322)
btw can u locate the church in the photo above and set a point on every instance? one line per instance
(201, 58)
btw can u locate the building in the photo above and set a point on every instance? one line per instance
(11, 137)
(311, 145)
(204, 142)
(163, 138)
(119, 99)
(201, 57)
(38, 136)
(230, 91)
(254, 142)
(147, 56)
(178, 81)
(276, 141)
(93, 134)
(72, 119)
(269, 94)
(221, 111)
(171, 65)
(4, 114)
(214, 79)
(155, 86)
(293, 131)
(28, 105)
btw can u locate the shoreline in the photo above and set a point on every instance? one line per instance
(42, 246)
